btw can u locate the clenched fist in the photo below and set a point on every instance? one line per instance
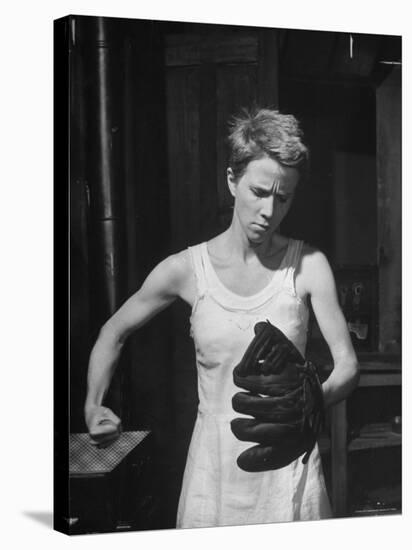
(103, 425)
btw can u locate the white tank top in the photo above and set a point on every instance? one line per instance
(215, 490)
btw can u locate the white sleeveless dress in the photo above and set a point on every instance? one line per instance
(215, 491)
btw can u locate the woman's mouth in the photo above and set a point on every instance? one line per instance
(262, 227)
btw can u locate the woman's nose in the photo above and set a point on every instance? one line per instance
(268, 207)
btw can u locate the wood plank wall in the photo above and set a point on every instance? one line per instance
(389, 166)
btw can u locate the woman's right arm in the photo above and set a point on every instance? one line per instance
(164, 284)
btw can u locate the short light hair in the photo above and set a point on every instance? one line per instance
(256, 133)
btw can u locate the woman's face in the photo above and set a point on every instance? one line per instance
(263, 196)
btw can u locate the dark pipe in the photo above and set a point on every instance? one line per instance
(102, 52)
(105, 166)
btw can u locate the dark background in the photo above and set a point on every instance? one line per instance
(149, 103)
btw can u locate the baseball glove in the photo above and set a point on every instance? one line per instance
(284, 397)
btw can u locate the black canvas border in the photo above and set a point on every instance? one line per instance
(61, 294)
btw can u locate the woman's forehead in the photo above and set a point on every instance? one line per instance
(268, 173)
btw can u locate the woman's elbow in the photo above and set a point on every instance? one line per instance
(353, 372)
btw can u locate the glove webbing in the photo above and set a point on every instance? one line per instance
(317, 418)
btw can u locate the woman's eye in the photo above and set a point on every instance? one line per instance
(282, 199)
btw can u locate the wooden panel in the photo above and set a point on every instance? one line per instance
(232, 47)
(339, 459)
(375, 436)
(236, 88)
(268, 69)
(355, 54)
(388, 108)
(355, 209)
(207, 153)
(184, 163)
(307, 52)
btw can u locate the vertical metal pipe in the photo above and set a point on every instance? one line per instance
(105, 169)
(102, 48)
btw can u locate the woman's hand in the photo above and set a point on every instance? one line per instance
(103, 425)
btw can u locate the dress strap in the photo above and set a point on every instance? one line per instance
(198, 266)
(292, 263)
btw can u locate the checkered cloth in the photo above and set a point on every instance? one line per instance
(86, 459)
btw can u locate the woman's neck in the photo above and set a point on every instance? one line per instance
(234, 243)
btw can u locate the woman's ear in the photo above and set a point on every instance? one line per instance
(231, 181)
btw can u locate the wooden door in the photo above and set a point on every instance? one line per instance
(210, 75)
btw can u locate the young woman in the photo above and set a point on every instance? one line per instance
(248, 273)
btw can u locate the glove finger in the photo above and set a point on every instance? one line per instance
(283, 340)
(260, 326)
(293, 372)
(258, 357)
(267, 335)
(271, 409)
(266, 384)
(279, 338)
(261, 458)
(267, 338)
(265, 433)
(276, 360)
(248, 363)
(263, 350)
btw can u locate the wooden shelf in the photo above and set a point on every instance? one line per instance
(383, 371)
(375, 369)
(393, 359)
(372, 436)
(369, 379)
(375, 436)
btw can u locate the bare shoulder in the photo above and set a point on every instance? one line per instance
(313, 258)
(175, 276)
(315, 271)
(178, 264)
(175, 270)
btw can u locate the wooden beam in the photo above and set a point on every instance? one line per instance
(268, 68)
(339, 459)
(214, 47)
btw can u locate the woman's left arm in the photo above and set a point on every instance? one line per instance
(320, 285)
